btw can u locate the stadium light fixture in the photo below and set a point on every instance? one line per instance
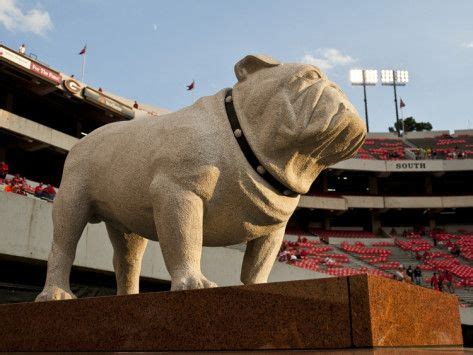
(395, 78)
(387, 77)
(364, 77)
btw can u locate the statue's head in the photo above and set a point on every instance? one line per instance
(295, 119)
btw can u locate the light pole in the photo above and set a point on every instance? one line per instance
(364, 77)
(395, 78)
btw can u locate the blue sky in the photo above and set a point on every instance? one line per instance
(149, 50)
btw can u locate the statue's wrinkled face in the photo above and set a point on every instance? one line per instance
(326, 118)
(297, 108)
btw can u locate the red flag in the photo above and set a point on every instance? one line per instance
(402, 104)
(191, 85)
(83, 50)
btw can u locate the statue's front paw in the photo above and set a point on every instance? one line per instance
(54, 294)
(190, 281)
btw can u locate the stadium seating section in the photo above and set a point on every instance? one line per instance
(383, 149)
(435, 251)
(444, 146)
(441, 147)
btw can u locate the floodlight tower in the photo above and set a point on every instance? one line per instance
(395, 78)
(364, 77)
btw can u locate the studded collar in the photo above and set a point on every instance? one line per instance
(248, 152)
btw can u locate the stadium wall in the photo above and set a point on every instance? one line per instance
(36, 131)
(344, 202)
(425, 134)
(369, 241)
(26, 231)
(401, 166)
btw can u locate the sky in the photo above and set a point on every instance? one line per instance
(150, 50)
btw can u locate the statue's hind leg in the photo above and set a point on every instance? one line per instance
(70, 216)
(128, 250)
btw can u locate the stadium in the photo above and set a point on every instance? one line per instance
(402, 201)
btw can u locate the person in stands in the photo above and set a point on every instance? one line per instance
(303, 254)
(49, 192)
(400, 274)
(22, 49)
(3, 171)
(418, 276)
(20, 188)
(449, 281)
(441, 281)
(410, 272)
(283, 253)
(283, 256)
(456, 250)
(434, 282)
(16, 180)
(38, 190)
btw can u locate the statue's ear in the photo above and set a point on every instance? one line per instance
(253, 63)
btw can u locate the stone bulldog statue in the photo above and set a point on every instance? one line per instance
(226, 170)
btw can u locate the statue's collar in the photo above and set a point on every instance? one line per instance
(248, 152)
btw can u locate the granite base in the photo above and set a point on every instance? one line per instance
(336, 313)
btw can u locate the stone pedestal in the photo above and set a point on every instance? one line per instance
(335, 313)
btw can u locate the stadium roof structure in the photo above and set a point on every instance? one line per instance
(41, 79)
(43, 107)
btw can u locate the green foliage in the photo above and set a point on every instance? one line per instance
(410, 125)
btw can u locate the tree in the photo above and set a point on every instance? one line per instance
(410, 125)
(423, 126)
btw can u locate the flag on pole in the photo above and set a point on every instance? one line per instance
(191, 86)
(83, 53)
(401, 104)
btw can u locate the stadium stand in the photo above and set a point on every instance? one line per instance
(442, 146)
(447, 146)
(420, 249)
(309, 253)
(385, 258)
(383, 149)
(21, 186)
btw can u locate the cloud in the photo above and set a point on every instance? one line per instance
(33, 20)
(327, 58)
(468, 45)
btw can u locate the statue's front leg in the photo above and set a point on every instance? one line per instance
(178, 217)
(260, 256)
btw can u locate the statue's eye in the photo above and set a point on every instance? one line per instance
(310, 75)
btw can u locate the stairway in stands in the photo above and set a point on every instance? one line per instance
(355, 262)
(404, 257)
(465, 294)
(407, 258)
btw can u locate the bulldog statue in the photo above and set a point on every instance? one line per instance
(228, 169)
